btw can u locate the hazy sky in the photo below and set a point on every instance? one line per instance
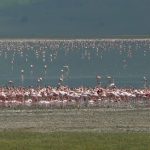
(74, 18)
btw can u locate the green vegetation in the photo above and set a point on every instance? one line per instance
(16, 140)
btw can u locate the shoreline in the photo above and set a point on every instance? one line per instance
(126, 37)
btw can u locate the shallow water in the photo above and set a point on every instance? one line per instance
(27, 61)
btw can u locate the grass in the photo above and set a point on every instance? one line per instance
(85, 129)
(16, 140)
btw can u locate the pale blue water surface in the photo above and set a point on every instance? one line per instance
(77, 61)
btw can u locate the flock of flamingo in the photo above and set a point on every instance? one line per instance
(64, 96)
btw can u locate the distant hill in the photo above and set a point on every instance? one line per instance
(74, 18)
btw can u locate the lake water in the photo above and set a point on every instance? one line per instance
(32, 62)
